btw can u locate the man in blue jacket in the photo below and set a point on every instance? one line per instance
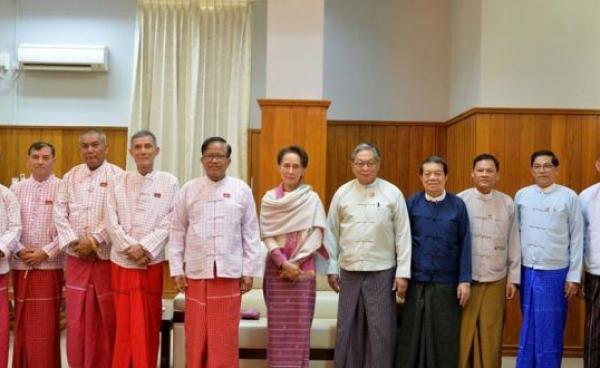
(440, 273)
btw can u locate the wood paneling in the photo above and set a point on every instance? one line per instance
(403, 146)
(509, 134)
(253, 162)
(287, 122)
(15, 140)
(513, 135)
(459, 146)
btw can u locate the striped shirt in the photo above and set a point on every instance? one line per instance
(36, 200)
(138, 211)
(10, 225)
(215, 225)
(79, 208)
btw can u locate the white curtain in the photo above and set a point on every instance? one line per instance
(192, 80)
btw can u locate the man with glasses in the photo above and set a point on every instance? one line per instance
(214, 233)
(368, 238)
(551, 228)
(79, 218)
(441, 273)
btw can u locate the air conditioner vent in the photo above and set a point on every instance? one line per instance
(87, 58)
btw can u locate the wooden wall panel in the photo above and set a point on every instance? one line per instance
(15, 140)
(509, 134)
(403, 146)
(512, 135)
(460, 148)
(287, 122)
(253, 161)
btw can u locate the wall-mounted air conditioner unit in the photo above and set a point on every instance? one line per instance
(83, 58)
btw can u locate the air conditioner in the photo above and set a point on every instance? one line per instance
(81, 58)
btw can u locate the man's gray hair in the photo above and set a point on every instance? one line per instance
(141, 134)
(99, 132)
(364, 146)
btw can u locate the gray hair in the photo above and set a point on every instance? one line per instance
(365, 146)
(141, 134)
(99, 132)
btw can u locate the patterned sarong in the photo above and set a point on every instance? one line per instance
(290, 310)
(38, 294)
(212, 319)
(138, 309)
(544, 309)
(591, 356)
(366, 330)
(4, 320)
(90, 313)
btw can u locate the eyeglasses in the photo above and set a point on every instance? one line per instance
(368, 164)
(214, 157)
(538, 167)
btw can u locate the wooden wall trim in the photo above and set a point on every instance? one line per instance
(438, 124)
(262, 102)
(386, 123)
(519, 110)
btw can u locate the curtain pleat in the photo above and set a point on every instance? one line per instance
(192, 80)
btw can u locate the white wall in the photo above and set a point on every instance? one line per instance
(51, 98)
(7, 40)
(465, 60)
(387, 59)
(294, 49)
(541, 53)
(383, 60)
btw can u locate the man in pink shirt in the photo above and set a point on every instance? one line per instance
(138, 215)
(214, 250)
(10, 231)
(79, 217)
(38, 265)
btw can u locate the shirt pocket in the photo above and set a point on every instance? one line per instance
(378, 212)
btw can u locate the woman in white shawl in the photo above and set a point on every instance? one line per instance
(292, 222)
